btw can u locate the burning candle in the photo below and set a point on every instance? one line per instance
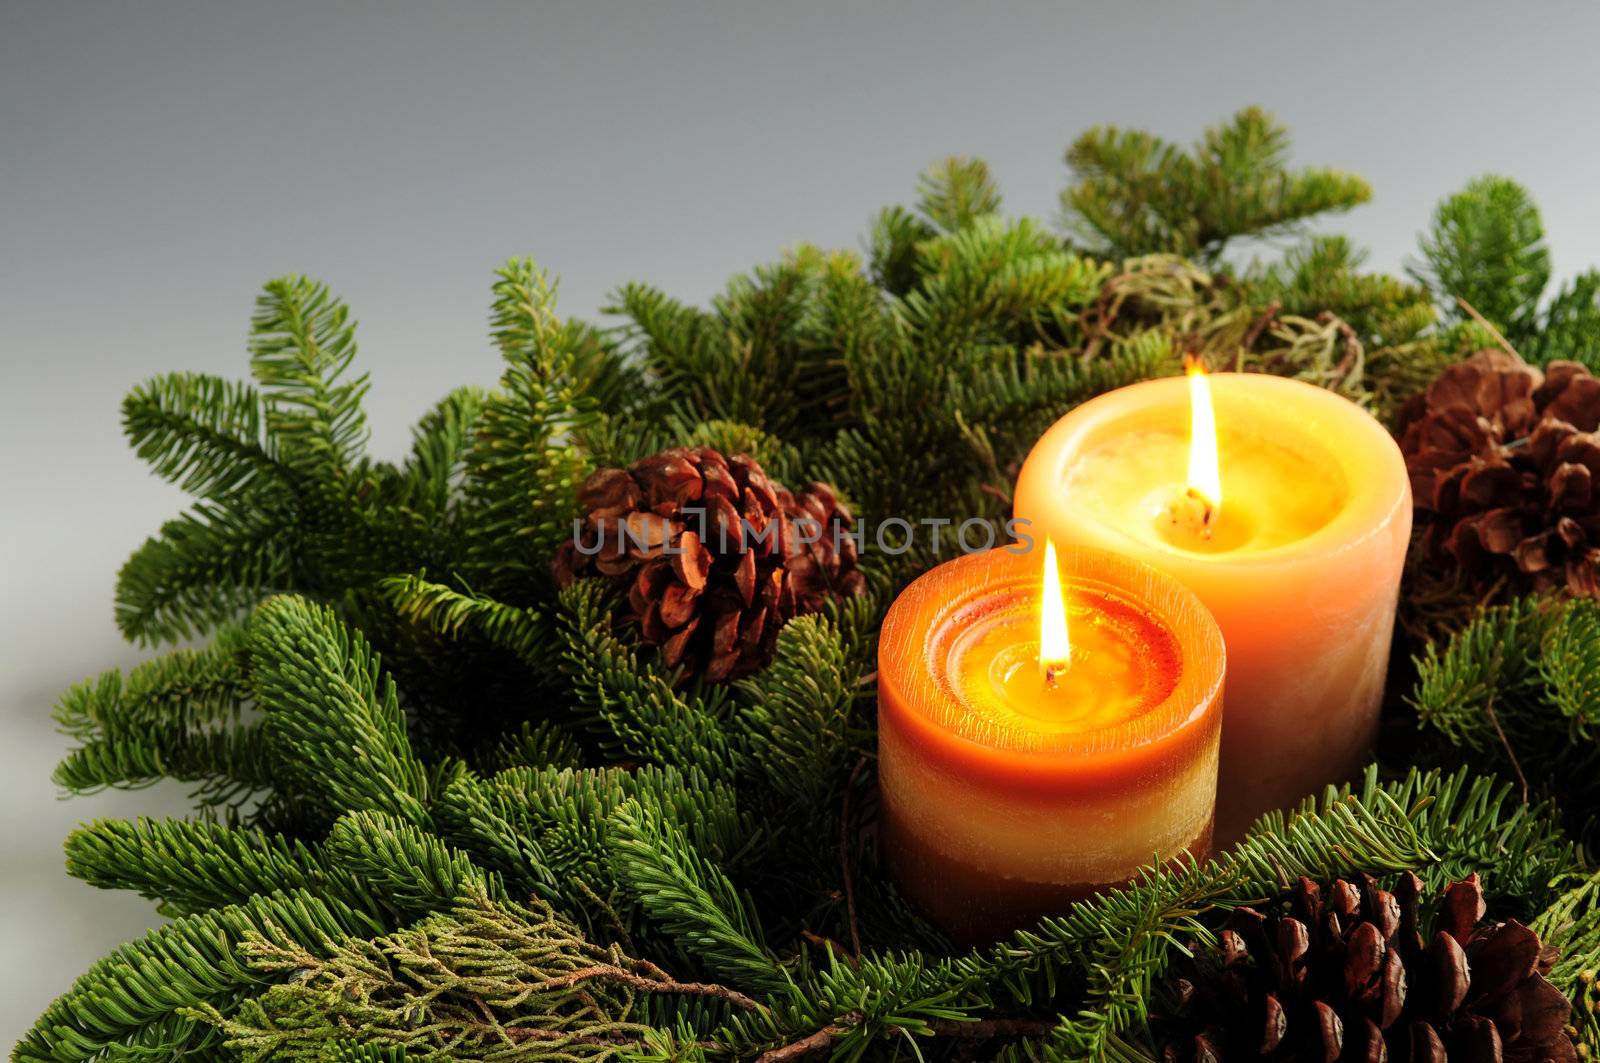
(1286, 508)
(1042, 734)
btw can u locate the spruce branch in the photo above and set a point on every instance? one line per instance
(436, 467)
(892, 248)
(536, 745)
(525, 632)
(408, 870)
(231, 768)
(550, 831)
(1516, 687)
(1494, 658)
(302, 344)
(201, 432)
(635, 707)
(1569, 665)
(884, 1001)
(139, 999)
(207, 567)
(180, 715)
(1135, 194)
(1323, 275)
(955, 192)
(332, 714)
(192, 865)
(795, 713)
(691, 899)
(767, 352)
(1486, 246)
(499, 821)
(1571, 325)
(997, 281)
(186, 688)
(522, 476)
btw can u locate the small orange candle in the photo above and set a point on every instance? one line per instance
(1287, 509)
(1041, 737)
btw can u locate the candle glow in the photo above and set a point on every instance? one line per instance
(1205, 472)
(1055, 648)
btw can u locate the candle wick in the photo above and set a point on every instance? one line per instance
(1049, 675)
(1206, 512)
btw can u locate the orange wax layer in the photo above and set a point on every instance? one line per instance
(1302, 571)
(1058, 790)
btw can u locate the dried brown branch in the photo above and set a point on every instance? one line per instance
(1259, 327)
(1499, 338)
(986, 1029)
(656, 981)
(845, 834)
(1516, 765)
(976, 1030)
(814, 1042)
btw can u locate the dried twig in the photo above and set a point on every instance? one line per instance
(984, 1029)
(814, 1042)
(1516, 765)
(844, 857)
(995, 491)
(1352, 343)
(823, 942)
(976, 1030)
(656, 982)
(1097, 318)
(1499, 338)
(1259, 327)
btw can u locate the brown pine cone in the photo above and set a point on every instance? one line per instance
(1343, 973)
(1504, 462)
(716, 556)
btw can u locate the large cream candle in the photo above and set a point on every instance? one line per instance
(1294, 539)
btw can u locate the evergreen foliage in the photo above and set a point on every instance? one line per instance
(1491, 223)
(444, 810)
(1486, 248)
(192, 865)
(330, 708)
(1519, 689)
(1136, 194)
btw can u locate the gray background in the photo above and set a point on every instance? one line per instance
(158, 161)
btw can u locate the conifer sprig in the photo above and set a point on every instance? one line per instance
(302, 345)
(333, 715)
(1137, 194)
(1517, 689)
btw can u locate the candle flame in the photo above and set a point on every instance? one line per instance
(1205, 479)
(1055, 649)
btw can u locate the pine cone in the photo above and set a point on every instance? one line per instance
(716, 556)
(1343, 973)
(1505, 471)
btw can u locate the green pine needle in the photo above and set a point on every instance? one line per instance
(332, 714)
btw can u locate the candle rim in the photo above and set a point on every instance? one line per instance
(1195, 694)
(1369, 503)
